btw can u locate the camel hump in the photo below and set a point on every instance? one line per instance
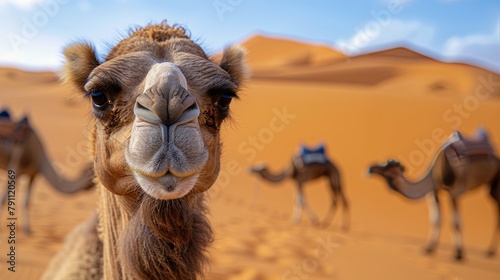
(6, 128)
(469, 148)
(309, 155)
(21, 129)
(16, 131)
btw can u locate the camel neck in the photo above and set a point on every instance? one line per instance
(114, 214)
(272, 177)
(60, 183)
(146, 238)
(414, 189)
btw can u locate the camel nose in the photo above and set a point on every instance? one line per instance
(166, 98)
(371, 170)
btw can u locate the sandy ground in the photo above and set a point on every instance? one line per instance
(365, 109)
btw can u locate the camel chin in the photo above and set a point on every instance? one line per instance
(167, 187)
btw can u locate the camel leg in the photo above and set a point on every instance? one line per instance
(345, 209)
(25, 206)
(300, 205)
(458, 232)
(297, 209)
(331, 212)
(333, 208)
(496, 235)
(336, 190)
(495, 193)
(305, 207)
(435, 218)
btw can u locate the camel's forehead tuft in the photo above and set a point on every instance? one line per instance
(159, 39)
(160, 32)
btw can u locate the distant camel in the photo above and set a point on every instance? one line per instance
(308, 165)
(460, 165)
(22, 151)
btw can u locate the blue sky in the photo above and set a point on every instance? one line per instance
(33, 32)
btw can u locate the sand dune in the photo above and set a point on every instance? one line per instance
(268, 53)
(363, 70)
(365, 109)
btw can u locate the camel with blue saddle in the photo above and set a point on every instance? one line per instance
(307, 165)
(461, 164)
(22, 152)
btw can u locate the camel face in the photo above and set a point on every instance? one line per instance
(158, 103)
(388, 165)
(258, 169)
(166, 151)
(388, 170)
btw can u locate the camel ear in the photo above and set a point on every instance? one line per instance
(233, 63)
(81, 59)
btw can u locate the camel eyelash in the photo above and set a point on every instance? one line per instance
(224, 101)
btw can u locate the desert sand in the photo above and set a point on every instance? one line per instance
(395, 103)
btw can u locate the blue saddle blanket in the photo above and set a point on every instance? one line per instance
(313, 155)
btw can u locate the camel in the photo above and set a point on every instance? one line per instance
(460, 165)
(307, 165)
(22, 151)
(158, 103)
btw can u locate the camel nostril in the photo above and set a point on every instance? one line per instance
(192, 107)
(189, 113)
(141, 107)
(145, 113)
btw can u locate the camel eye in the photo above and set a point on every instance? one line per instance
(224, 101)
(99, 99)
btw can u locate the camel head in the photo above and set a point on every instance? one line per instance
(389, 170)
(258, 169)
(158, 103)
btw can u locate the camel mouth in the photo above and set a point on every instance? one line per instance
(371, 170)
(375, 170)
(166, 187)
(166, 161)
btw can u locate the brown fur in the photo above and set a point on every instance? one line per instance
(231, 59)
(81, 59)
(172, 244)
(146, 231)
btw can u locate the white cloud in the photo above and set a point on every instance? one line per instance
(23, 4)
(482, 47)
(384, 31)
(457, 45)
(42, 52)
